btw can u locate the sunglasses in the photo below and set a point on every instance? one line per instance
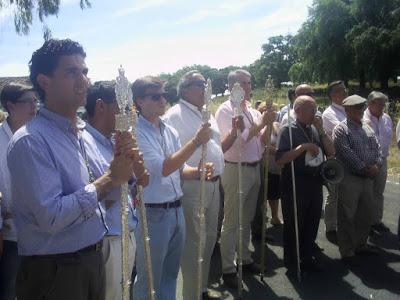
(360, 107)
(198, 83)
(156, 96)
(31, 101)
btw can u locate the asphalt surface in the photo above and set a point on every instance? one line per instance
(377, 277)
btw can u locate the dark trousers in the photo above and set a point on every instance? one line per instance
(78, 276)
(309, 206)
(9, 263)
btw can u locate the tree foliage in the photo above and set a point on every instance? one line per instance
(24, 10)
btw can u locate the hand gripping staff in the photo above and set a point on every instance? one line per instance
(237, 96)
(205, 113)
(125, 121)
(269, 90)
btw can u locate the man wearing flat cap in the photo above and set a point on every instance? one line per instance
(359, 150)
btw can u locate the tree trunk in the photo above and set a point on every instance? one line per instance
(362, 79)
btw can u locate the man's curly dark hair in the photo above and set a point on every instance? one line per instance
(45, 59)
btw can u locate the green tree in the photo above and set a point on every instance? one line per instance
(375, 39)
(321, 42)
(25, 9)
(279, 55)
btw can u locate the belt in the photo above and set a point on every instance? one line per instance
(165, 205)
(245, 164)
(92, 248)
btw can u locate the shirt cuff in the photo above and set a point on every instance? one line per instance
(87, 198)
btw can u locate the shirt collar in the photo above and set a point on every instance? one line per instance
(98, 136)
(370, 116)
(147, 123)
(353, 124)
(62, 122)
(190, 106)
(338, 107)
(7, 128)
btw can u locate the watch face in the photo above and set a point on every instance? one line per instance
(314, 161)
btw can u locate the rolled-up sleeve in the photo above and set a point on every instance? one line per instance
(36, 183)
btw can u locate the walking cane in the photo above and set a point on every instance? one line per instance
(296, 224)
(269, 89)
(202, 235)
(237, 96)
(124, 122)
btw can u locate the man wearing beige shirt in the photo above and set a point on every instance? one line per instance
(186, 118)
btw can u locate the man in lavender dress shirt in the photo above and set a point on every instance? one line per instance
(332, 116)
(57, 183)
(382, 125)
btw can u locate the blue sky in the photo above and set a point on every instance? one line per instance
(152, 36)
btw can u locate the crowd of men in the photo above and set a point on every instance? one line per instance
(60, 180)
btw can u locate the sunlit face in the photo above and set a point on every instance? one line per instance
(355, 112)
(193, 92)
(245, 82)
(24, 109)
(377, 107)
(153, 103)
(110, 109)
(68, 84)
(306, 112)
(339, 93)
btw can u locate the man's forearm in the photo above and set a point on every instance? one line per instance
(176, 160)
(104, 185)
(290, 155)
(254, 130)
(228, 141)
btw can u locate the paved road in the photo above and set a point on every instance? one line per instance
(377, 278)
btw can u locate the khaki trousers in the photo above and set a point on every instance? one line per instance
(113, 262)
(230, 224)
(378, 190)
(354, 213)
(190, 203)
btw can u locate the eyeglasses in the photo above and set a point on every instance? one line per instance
(359, 107)
(198, 83)
(31, 101)
(156, 96)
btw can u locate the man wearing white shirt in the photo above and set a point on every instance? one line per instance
(381, 123)
(186, 118)
(331, 117)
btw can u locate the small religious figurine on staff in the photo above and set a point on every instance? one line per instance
(125, 121)
(237, 96)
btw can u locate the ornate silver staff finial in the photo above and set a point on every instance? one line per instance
(237, 96)
(269, 91)
(123, 91)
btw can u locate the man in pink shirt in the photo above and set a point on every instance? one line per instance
(252, 150)
(331, 117)
(381, 123)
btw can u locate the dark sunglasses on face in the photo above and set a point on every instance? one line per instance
(359, 107)
(198, 83)
(156, 96)
(32, 101)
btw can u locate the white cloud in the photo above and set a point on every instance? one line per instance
(139, 6)
(14, 69)
(225, 8)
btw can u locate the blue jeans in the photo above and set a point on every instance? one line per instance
(167, 236)
(9, 264)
